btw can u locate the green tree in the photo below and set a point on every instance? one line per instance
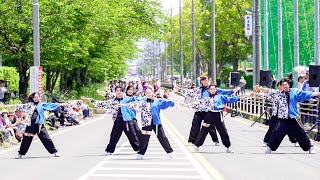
(78, 38)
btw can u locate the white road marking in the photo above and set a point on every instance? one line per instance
(158, 176)
(243, 122)
(149, 169)
(96, 167)
(126, 161)
(147, 163)
(56, 134)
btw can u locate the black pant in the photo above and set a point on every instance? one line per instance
(136, 128)
(137, 132)
(272, 124)
(196, 126)
(214, 119)
(43, 136)
(120, 126)
(161, 137)
(293, 129)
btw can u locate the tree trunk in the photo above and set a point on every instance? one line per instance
(63, 80)
(54, 80)
(235, 60)
(49, 77)
(235, 63)
(220, 67)
(23, 83)
(198, 65)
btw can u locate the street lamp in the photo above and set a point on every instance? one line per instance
(249, 11)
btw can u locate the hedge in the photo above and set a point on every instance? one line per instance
(12, 75)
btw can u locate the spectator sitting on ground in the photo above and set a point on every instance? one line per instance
(5, 128)
(58, 113)
(20, 120)
(67, 113)
(14, 122)
(51, 119)
(85, 109)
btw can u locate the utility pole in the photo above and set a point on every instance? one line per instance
(36, 34)
(0, 60)
(213, 44)
(193, 47)
(171, 49)
(160, 70)
(257, 41)
(254, 42)
(316, 32)
(165, 69)
(296, 40)
(280, 44)
(181, 50)
(266, 39)
(153, 61)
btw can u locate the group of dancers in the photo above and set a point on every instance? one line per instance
(208, 102)
(284, 120)
(123, 109)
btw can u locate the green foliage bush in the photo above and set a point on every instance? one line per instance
(249, 79)
(12, 75)
(88, 91)
(225, 73)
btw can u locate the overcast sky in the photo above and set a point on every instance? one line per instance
(167, 4)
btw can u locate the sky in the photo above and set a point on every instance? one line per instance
(167, 4)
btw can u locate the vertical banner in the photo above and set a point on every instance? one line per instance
(248, 25)
(36, 80)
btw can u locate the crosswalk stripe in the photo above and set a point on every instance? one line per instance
(151, 157)
(159, 176)
(148, 169)
(148, 163)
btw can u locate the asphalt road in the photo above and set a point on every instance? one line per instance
(82, 154)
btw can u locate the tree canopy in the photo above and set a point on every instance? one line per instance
(81, 41)
(231, 44)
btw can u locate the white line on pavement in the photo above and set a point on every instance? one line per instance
(152, 148)
(148, 169)
(150, 157)
(148, 163)
(93, 169)
(159, 176)
(204, 174)
(243, 122)
(57, 133)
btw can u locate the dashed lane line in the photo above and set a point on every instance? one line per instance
(196, 156)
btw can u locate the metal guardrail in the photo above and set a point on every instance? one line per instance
(256, 106)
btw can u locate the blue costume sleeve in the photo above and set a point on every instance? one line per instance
(225, 91)
(227, 99)
(50, 106)
(164, 104)
(137, 98)
(303, 95)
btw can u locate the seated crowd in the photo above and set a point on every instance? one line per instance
(13, 123)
